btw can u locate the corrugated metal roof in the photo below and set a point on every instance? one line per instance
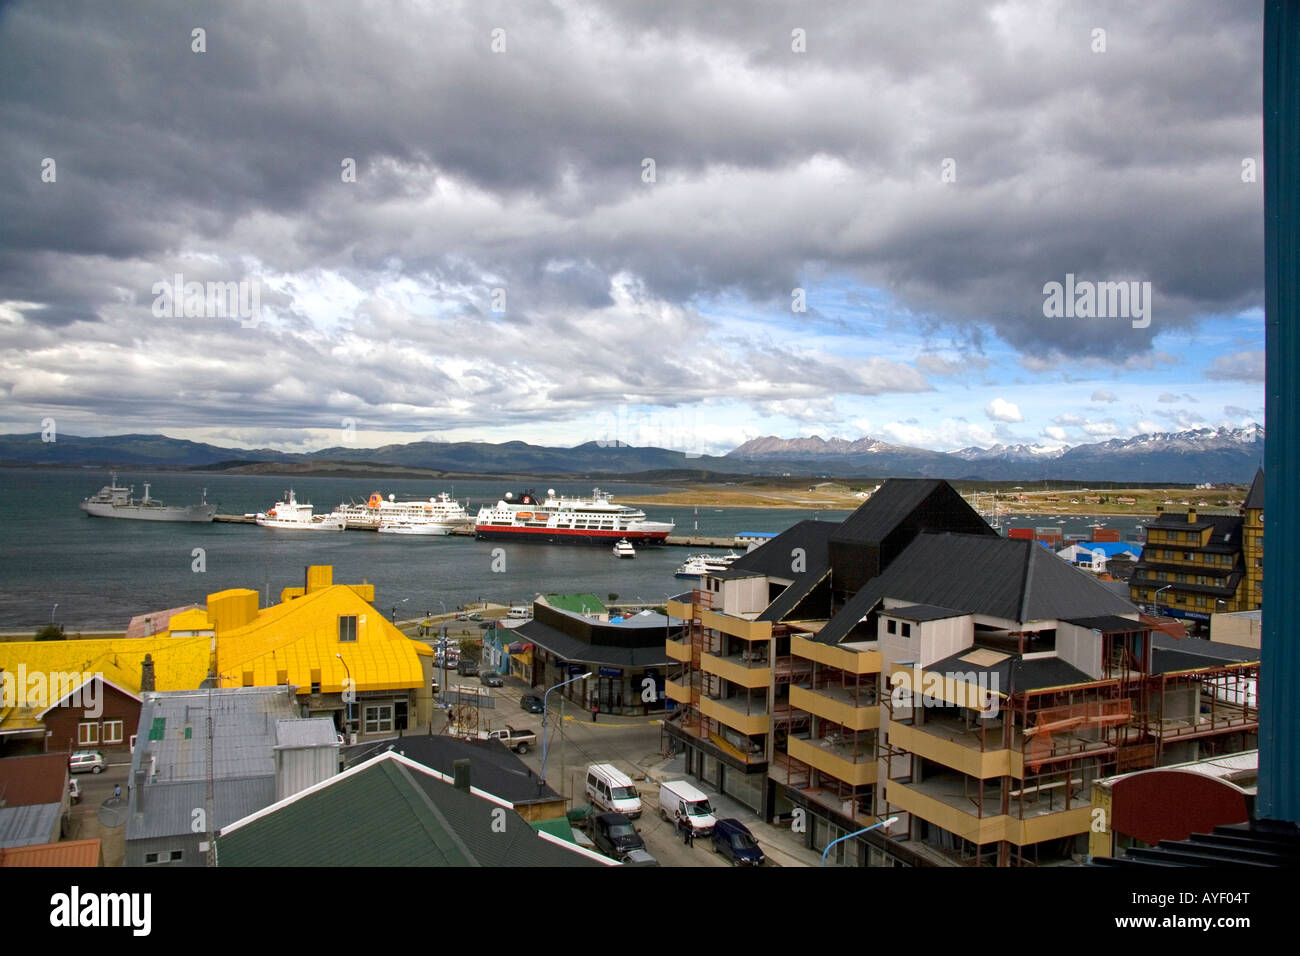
(70, 853)
(493, 767)
(305, 732)
(33, 823)
(169, 807)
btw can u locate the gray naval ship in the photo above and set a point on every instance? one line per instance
(115, 501)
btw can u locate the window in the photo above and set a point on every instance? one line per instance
(907, 630)
(1187, 555)
(87, 734)
(176, 855)
(347, 627)
(113, 731)
(891, 626)
(378, 718)
(151, 857)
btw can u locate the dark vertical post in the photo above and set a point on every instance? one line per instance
(1279, 680)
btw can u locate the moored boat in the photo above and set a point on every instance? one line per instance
(561, 520)
(115, 501)
(292, 515)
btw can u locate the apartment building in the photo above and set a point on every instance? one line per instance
(1195, 565)
(970, 685)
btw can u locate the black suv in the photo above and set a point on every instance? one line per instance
(614, 835)
(532, 704)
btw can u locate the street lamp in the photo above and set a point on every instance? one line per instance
(1157, 597)
(848, 836)
(347, 704)
(544, 715)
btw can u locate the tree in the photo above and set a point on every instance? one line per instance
(470, 649)
(50, 632)
(612, 597)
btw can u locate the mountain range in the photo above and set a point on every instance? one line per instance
(1197, 455)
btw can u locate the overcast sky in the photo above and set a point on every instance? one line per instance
(919, 170)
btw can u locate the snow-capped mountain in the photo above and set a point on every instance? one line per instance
(1199, 454)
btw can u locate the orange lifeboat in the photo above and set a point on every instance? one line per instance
(374, 501)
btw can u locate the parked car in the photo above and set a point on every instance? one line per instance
(491, 679)
(732, 839)
(476, 617)
(84, 760)
(74, 790)
(517, 740)
(467, 668)
(614, 835)
(484, 625)
(683, 802)
(639, 858)
(611, 789)
(532, 703)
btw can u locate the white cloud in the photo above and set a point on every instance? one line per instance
(1000, 410)
(1100, 396)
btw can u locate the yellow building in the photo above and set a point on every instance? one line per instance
(328, 640)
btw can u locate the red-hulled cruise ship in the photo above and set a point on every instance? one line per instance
(560, 520)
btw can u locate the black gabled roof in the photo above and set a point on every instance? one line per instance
(887, 508)
(493, 767)
(921, 613)
(999, 577)
(775, 558)
(1015, 675)
(1259, 843)
(1255, 497)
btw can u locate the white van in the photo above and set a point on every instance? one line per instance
(679, 800)
(612, 790)
(518, 613)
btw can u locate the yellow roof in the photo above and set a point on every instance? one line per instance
(192, 620)
(297, 641)
(179, 664)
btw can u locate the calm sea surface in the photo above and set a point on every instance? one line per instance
(102, 571)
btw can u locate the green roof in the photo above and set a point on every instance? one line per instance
(577, 603)
(390, 813)
(558, 827)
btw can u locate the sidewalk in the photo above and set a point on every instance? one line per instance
(781, 847)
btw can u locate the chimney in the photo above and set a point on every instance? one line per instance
(1191, 516)
(460, 774)
(146, 674)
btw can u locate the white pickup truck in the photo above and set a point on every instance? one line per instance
(517, 740)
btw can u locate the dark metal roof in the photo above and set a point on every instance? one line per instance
(922, 612)
(776, 557)
(1240, 844)
(1012, 579)
(571, 649)
(1015, 675)
(880, 514)
(1192, 653)
(1109, 623)
(389, 814)
(790, 598)
(1255, 497)
(493, 767)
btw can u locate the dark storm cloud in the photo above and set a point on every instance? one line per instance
(523, 171)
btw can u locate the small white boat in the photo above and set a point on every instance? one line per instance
(624, 549)
(291, 515)
(698, 565)
(415, 527)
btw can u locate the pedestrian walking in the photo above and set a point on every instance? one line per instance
(117, 791)
(595, 709)
(689, 831)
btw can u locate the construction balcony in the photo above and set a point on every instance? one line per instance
(679, 691)
(856, 659)
(855, 710)
(740, 627)
(679, 651)
(747, 669)
(951, 801)
(839, 756)
(746, 714)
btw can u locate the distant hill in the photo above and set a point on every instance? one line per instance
(1223, 454)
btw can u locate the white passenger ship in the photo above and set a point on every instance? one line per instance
(430, 514)
(293, 516)
(560, 520)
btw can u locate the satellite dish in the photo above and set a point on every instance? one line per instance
(509, 495)
(392, 497)
(551, 492)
